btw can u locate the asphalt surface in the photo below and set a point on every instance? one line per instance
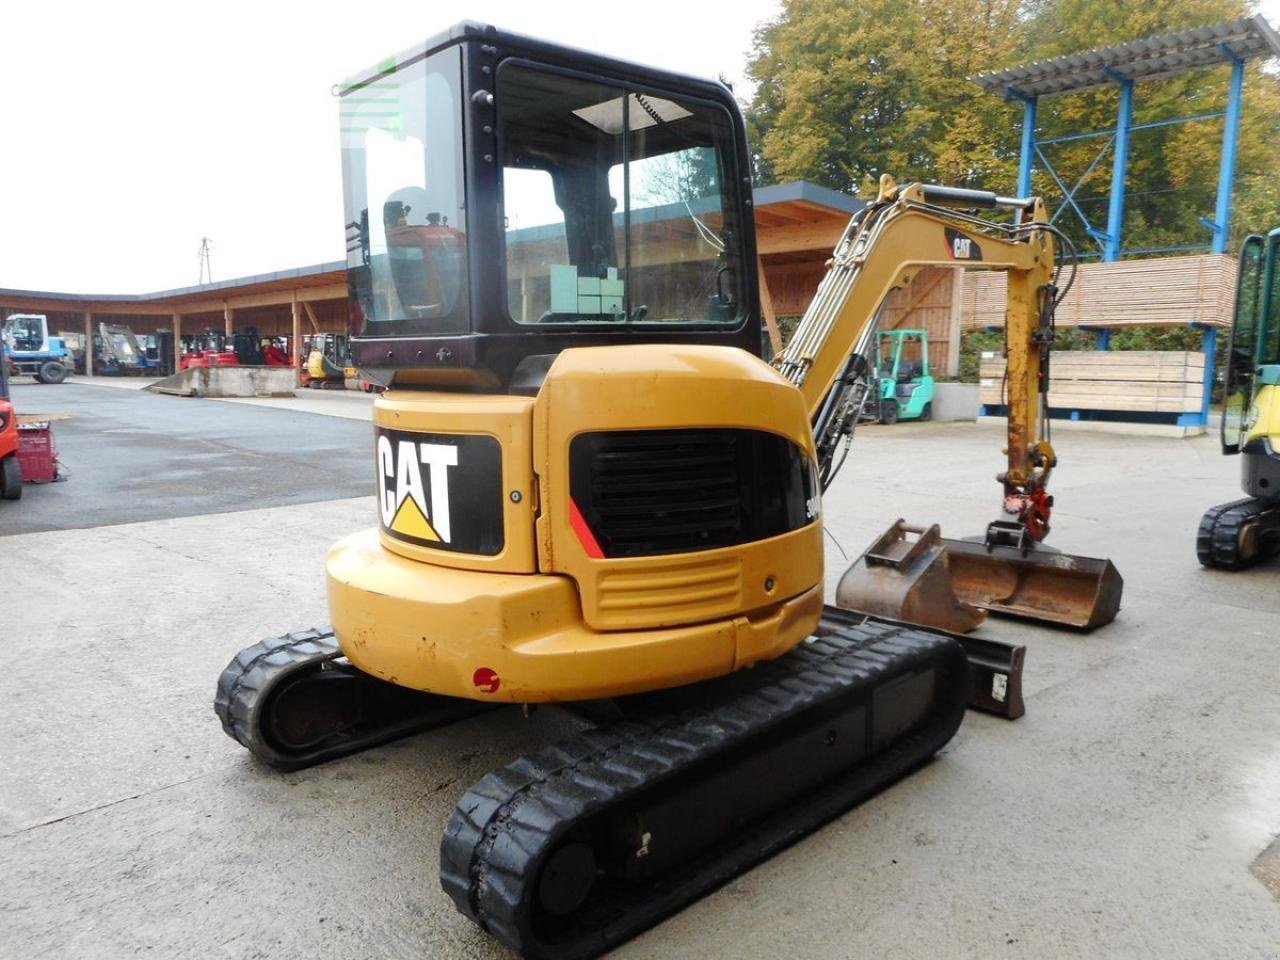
(1120, 817)
(133, 455)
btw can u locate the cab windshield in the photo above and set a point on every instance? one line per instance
(402, 173)
(614, 204)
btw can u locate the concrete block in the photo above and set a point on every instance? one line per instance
(220, 382)
(955, 401)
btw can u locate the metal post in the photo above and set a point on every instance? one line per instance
(1028, 146)
(1104, 338)
(88, 344)
(1119, 168)
(1210, 361)
(177, 341)
(1227, 162)
(295, 340)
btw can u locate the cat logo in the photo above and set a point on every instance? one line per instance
(403, 466)
(961, 247)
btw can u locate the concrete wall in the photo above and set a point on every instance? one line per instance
(234, 381)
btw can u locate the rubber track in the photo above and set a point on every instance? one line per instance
(246, 685)
(514, 817)
(1218, 537)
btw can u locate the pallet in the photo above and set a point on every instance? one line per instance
(1137, 381)
(1160, 291)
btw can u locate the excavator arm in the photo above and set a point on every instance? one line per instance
(912, 572)
(884, 247)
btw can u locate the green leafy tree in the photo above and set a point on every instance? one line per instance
(849, 90)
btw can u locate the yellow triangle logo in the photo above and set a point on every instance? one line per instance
(410, 521)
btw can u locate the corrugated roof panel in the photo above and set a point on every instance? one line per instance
(1142, 59)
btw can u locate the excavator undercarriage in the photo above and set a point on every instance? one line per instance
(574, 849)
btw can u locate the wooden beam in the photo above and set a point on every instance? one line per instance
(273, 298)
(295, 342)
(766, 307)
(164, 306)
(803, 236)
(953, 324)
(228, 313)
(88, 343)
(177, 341)
(311, 315)
(918, 295)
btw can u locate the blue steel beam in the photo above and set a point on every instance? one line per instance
(1120, 167)
(1068, 195)
(1028, 146)
(1079, 183)
(1149, 125)
(1227, 162)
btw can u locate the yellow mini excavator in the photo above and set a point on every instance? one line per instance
(592, 491)
(1239, 534)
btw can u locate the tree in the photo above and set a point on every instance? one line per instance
(849, 90)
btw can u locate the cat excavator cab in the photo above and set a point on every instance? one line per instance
(1242, 533)
(593, 492)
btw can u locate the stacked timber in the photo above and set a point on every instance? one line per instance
(1134, 381)
(1165, 291)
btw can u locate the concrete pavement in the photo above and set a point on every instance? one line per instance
(134, 456)
(1119, 818)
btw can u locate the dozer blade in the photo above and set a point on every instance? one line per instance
(1041, 584)
(905, 575)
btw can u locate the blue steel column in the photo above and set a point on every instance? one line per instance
(1119, 168)
(1227, 163)
(1201, 418)
(1028, 146)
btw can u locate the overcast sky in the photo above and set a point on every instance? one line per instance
(134, 129)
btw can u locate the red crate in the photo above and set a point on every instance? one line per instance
(37, 454)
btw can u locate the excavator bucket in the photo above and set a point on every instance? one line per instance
(904, 575)
(1041, 584)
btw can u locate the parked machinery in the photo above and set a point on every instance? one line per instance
(327, 361)
(31, 350)
(593, 492)
(10, 468)
(903, 381)
(120, 353)
(1244, 532)
(207, 349)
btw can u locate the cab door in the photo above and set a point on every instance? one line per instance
(1241, 370)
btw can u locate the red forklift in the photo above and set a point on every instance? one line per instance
(10, 469)
(208, 349)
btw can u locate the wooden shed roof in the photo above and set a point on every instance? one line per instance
(795, 221)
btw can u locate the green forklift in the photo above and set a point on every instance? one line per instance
(904, 386)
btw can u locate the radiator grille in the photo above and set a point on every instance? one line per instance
(649, 492)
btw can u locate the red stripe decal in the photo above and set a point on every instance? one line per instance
(583, 532)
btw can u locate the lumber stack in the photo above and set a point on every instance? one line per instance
(1138, 381)
(1165, 291)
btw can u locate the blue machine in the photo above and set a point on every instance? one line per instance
(32, 351)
